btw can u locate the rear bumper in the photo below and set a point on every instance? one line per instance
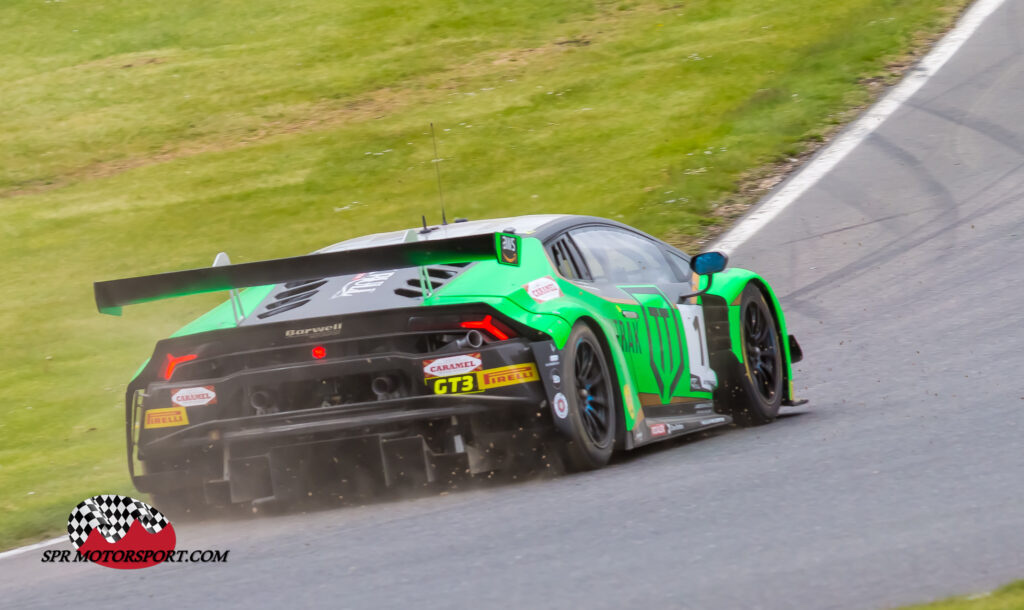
(345, 449)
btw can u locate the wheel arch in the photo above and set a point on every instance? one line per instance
(628, 408)
(729, 285)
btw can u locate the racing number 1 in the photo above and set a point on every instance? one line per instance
(701, 375)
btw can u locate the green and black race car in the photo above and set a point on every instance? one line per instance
(418, 356)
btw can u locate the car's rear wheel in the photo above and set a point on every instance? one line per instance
(590, 393)
(753, 393)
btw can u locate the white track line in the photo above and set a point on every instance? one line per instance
(861, 129)
(32, 547)
(821, 164)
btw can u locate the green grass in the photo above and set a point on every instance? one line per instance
(1010, 597)
(142, 136)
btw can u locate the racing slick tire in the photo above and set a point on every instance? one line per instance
(590, 391)
(752, 392)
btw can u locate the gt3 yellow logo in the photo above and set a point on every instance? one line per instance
(456, 384)
(166, 418)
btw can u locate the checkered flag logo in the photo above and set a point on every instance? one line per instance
(112, 515)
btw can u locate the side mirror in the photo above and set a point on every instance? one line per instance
(707, 263)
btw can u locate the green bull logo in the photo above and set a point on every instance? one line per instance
(664, 339)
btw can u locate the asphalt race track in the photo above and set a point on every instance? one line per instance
(903, 274)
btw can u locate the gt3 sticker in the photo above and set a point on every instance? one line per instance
(543, 289)
(452, 365)
(165, 418)
(194, 397)
(456, 384)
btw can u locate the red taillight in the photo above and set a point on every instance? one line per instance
(496, 329)
(319, 352)
(172, 362)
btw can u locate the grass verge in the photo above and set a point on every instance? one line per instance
(1010, 597)
(142, 136)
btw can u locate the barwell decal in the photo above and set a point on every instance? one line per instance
(316, 331)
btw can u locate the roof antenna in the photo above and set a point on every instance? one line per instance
(437, 169)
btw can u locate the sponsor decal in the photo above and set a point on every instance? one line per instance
(676, 427)
(166, 418)
(456, 384)
(630, 405)
(560, 405)
(508, 375)
(363, 283)
(628, 332)
(316, 331)
(543, 289)
(658, 429)
(194, 397)
(508, 248)
(665, 340)
(556, 380)
(464, 380)
(713, 420)
(638, 434)
(452, 365)
(124, 533)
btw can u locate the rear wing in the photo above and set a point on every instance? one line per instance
(111, 295)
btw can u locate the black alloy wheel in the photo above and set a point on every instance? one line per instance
(591, 404)
(752, 391)
(762, 349)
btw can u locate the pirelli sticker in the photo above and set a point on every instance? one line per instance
(479, 381)
(508, 375)
(166, 418)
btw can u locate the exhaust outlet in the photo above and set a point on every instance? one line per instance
(261, 401)
(472, 339)
(382, 386)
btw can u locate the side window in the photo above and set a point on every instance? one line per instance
(620, 257)
(567, 259)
